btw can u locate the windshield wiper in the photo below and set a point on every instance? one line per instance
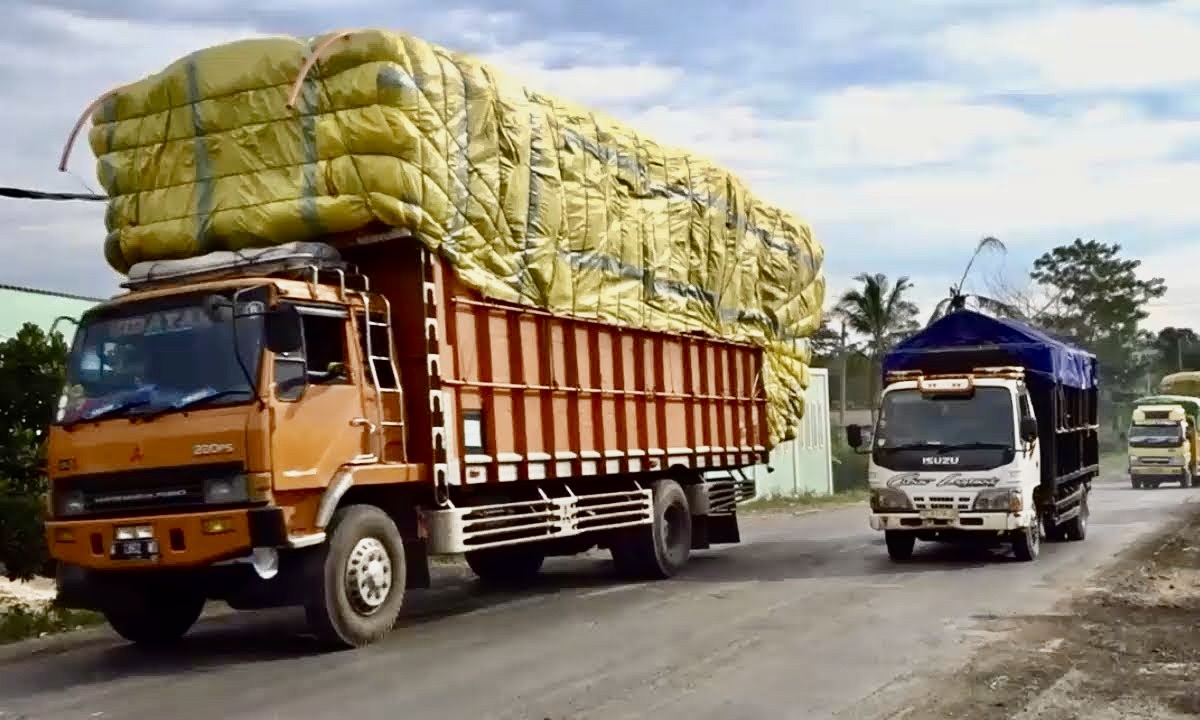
(915, 446)
(108, 411)
(977, 446)
(192, 401)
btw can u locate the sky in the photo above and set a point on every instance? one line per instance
(902, 132)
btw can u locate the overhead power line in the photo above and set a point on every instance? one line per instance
(24, 194)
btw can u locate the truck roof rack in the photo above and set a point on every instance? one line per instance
(296, 260)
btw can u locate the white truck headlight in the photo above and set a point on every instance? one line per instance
(225, 490)
(71, 503)
(889, 500)
(998, 500)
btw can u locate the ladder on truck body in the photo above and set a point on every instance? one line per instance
(382, 423)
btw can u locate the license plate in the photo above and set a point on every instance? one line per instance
(940, 514)
(143, 549)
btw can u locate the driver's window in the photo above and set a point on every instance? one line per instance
(1026, 410)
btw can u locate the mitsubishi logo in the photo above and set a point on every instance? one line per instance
(136, 456)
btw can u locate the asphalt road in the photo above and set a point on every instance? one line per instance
(807, 619)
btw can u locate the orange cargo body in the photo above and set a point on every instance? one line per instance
(496, 392)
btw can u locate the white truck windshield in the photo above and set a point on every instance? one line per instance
(1155, 435)
(910, 419)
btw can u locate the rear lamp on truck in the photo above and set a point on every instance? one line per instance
(998, 500)
(889, 500)
(226, 490)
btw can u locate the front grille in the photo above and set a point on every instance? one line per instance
(1155, 460)
(942, 502)
(152, 491)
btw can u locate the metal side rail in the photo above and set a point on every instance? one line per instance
(460, 529)
(728, 488)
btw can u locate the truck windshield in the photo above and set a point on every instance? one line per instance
(1155, 435)
(909, 419)
(150, 359)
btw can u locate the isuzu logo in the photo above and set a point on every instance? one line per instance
(940, 460)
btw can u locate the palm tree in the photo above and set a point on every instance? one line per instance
(957, 300)
(880, 312)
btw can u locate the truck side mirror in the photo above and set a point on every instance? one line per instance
(283, 333)
(854, 436)
(1029, 429)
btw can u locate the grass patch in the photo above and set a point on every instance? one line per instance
(807, 501)
(20, 623)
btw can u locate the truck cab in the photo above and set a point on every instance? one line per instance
(1162, 444)
(952, 456)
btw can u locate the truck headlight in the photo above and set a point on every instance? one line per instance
(71, 503)
(226, 490)
(889, 500)
(999, 500)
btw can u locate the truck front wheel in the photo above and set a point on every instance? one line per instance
(164, 616)
(357, 578)
(1027, 542)
(661, 549)
(900, 545)
(507, 566)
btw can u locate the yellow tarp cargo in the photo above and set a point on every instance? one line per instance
(532, 199)
(1181, 383)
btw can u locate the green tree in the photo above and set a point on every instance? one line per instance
(32, 368)
(879, 311)
(1101, 303)
(1176, 349)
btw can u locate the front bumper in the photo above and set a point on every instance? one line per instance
(1156, 471)
(963, 521)
(184, 540)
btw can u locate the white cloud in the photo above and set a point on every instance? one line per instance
(1083, 48)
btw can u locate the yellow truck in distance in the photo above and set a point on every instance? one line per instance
(1164, 441)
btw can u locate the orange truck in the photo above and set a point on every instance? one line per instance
(274, 428)
(378, 310)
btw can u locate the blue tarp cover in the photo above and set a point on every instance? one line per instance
(962, 331)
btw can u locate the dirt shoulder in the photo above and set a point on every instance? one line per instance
(1127, 649)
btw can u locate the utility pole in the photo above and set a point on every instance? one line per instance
(845, 366)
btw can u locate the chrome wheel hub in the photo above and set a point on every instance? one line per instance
(368, 576)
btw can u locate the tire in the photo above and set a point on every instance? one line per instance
(1027, 542)
(900, 545)
(662, 549)
(512, 566)
(357, 578)
(160, 621)
(1137, 484)
(1075, 529)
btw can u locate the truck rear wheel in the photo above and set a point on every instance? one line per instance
(161, 620)
(900, 544)
(357, 578)
(1027, 542)
(1075, 529)
(661, 549)
(507, 566)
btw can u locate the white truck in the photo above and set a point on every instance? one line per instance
(987, 431)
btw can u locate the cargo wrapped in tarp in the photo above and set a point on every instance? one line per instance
(965, 339)
(532, 199)
(1190, 404)
(1181, 383)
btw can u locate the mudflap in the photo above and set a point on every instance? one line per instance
(416, 564)
(723, 529)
